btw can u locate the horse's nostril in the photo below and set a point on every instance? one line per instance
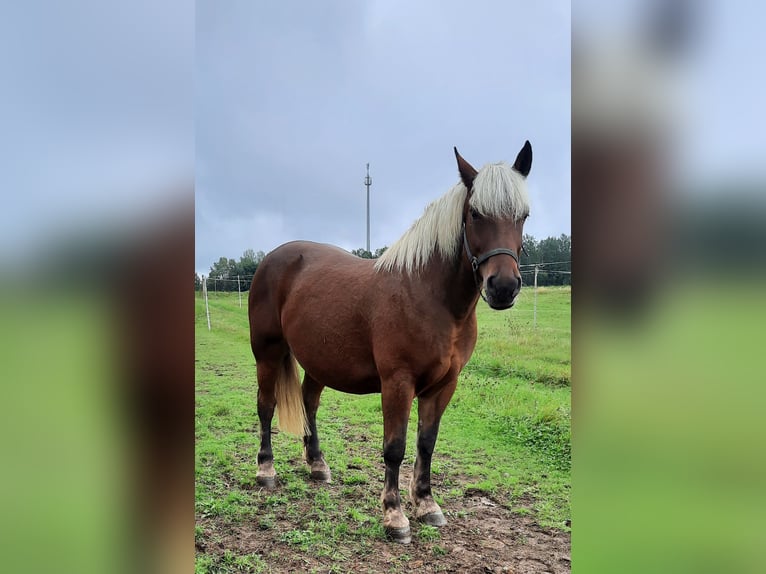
(504, 286)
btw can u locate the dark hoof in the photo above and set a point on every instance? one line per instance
(400, 535)
(266, 481)
(433, 519)
(321, 476)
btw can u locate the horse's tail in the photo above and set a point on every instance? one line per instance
(292, 413)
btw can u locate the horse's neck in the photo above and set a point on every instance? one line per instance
(453, 284)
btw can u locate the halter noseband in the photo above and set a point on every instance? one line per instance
(476, 261)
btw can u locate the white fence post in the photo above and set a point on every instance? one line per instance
(240, 293)
(535, 313)
(207, 309)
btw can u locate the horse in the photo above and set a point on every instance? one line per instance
(403, 325)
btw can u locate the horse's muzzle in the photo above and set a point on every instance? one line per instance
(502, 291)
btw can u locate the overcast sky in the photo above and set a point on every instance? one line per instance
(273, 109)
(97, 115)
(294, 98)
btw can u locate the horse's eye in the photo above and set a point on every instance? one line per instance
(475, 214)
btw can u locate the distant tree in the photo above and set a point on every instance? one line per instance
(248, 263)
(530, 252)
(197, 282)
(220, 272)
(224, 272)
(363, 253)
(556, 252)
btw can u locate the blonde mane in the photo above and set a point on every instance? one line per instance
(498, 191)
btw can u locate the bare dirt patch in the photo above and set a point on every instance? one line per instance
(482, 535)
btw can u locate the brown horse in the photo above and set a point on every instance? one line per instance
(403, 326)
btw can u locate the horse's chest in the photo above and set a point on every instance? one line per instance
(453, 353)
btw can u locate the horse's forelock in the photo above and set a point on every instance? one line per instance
(500, 191)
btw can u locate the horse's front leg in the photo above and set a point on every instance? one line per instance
(397, 395)
(430, 411)
(313, 454)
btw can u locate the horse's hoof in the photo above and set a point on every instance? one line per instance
(266, 481)
(399, 535)
(433, 519)
(321, 476)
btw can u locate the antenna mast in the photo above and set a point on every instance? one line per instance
(368, 183)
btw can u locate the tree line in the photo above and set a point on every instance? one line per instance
(548, 253)
(224, 272)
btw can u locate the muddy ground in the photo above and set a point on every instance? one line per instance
(482, 535)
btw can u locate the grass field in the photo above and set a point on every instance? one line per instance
(505, 436)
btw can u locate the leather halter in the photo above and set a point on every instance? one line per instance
(476, 261)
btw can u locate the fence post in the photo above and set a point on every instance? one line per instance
(535, 313)
(240, 293)
(207, 309)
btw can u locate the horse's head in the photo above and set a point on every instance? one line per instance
(494, 212)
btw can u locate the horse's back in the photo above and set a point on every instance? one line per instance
(300, 275)
(281, 268)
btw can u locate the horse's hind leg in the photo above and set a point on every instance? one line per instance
(268, 372)
(430, 410)
(314, 457)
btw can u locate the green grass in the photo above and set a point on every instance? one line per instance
(506, 433)
(230, 562)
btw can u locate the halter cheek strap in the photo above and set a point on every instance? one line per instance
(476, 261)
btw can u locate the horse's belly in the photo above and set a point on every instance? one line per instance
(334, 367)
(356, 387)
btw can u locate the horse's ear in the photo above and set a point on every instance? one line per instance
(523, 161)
(467, 172)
